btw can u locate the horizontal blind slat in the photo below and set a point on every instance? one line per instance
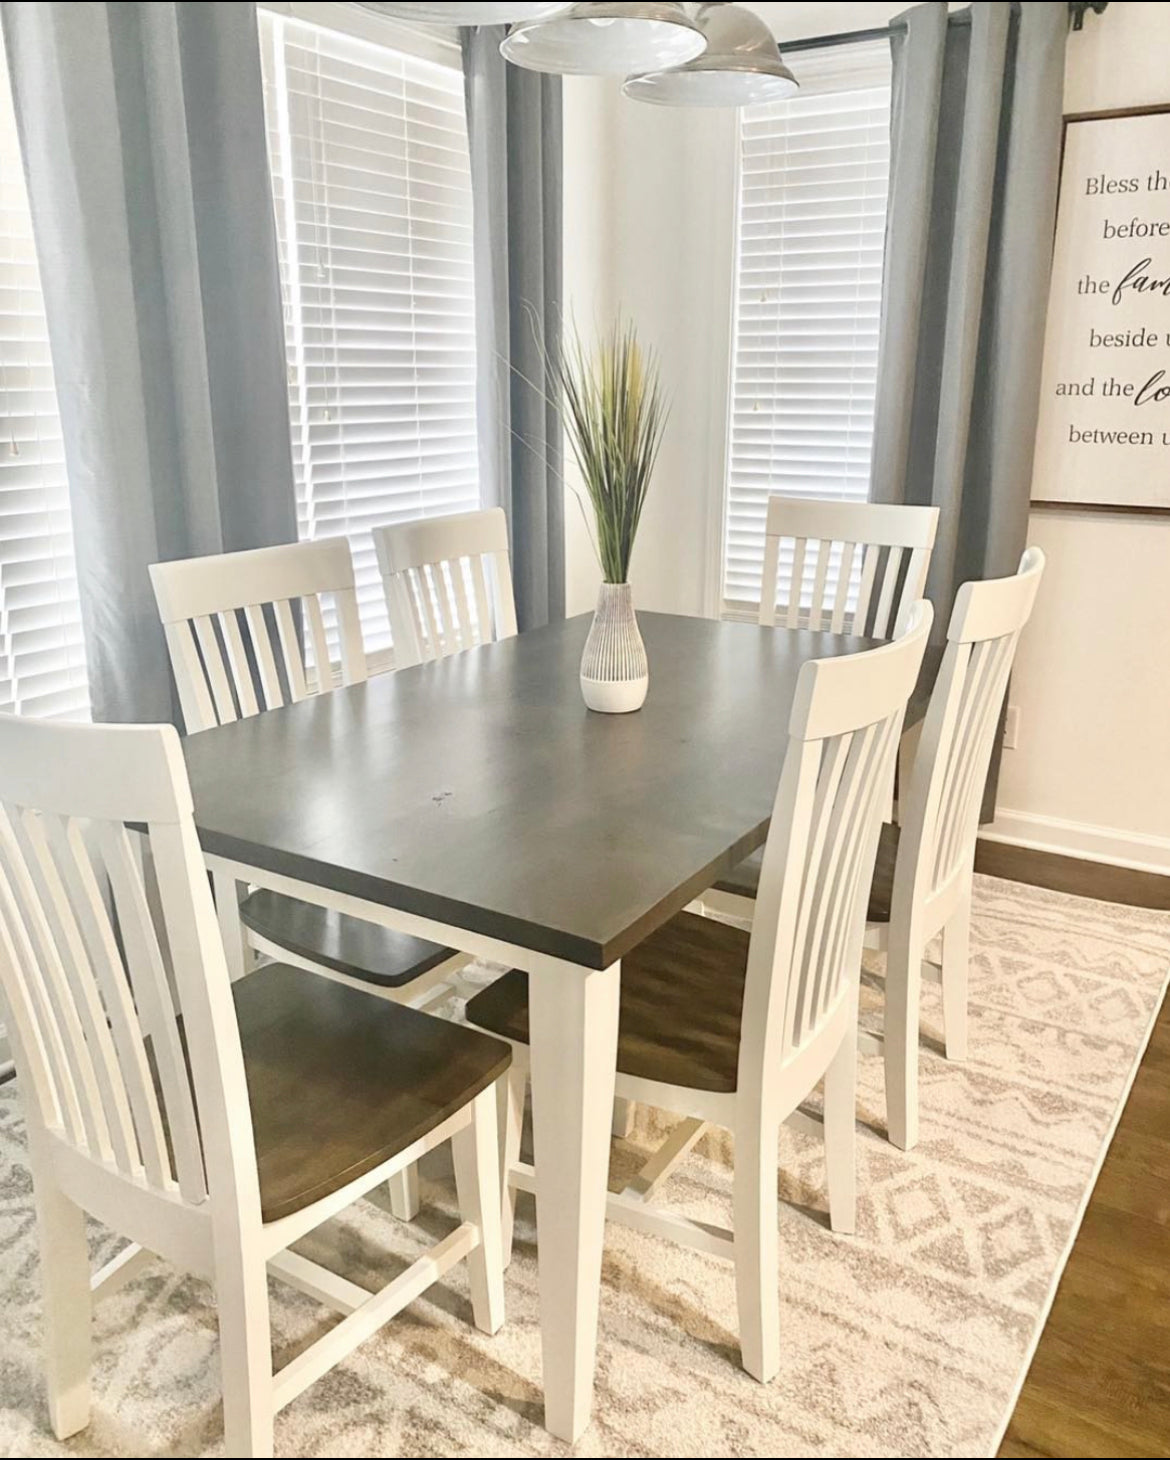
(372, 186)
(814, 176)
(42, 654)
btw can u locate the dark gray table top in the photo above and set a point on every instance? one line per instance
(480, 792)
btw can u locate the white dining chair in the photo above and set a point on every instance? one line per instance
(213, 1124)
(924, 868)
(247, 633)
(867, 562)
(924, 880)
(236, 649)
(232, 659)
(448, 583)
(738, 1030)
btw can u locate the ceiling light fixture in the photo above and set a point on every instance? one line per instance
(456, 13)
(605, 40)
(741, 66)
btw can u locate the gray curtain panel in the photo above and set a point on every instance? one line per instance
(976, 136)
(514, 127)
(143, 134)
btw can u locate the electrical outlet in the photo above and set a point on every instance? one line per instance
(1011, 728)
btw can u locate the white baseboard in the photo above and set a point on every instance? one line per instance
(1080, 839)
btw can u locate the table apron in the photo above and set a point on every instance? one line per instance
(449, 935)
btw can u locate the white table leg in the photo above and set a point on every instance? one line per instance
(227, 910)
(403, 1191)
(573, 1031)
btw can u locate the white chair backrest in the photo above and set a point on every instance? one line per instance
(224, 616)
(94, 993)
(448, 583)
(805, 954)
(941, 824)
(876, 551)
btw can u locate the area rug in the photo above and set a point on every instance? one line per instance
(910, 1338)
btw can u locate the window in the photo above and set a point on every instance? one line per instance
(42, 657)
(814, 174)
(372, 188)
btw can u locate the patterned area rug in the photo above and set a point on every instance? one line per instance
(910, 1338)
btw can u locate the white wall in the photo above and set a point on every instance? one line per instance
(589, 108)
(1092, 772)
(649, 223)
(649, 228)
(653, 239)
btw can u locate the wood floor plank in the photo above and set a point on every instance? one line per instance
(1046, 1425)
(1018, 1450)
(1099, 1384)
(1098, 1296)
(1076, 875)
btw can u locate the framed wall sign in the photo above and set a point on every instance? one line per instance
(1104, 431)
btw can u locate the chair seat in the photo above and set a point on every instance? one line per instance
(681, 1002)
(352, 946)
(340, 1080)
(744, 880)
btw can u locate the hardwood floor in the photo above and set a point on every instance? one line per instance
(1100, 1381)
(1075, 875)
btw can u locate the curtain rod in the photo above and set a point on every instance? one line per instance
(1076, 9)
(841, 38)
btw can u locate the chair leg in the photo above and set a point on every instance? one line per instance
(757, 1254)
(476, 1153)
(511, 1091)
(403, 1189)
(623, 1118)
(907, 751)
(240, 956)
(903, 990)
(955, 957)
(68, 1308)
(245, 1354)
(841, 1133)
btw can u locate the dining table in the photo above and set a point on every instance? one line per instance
(475, 802)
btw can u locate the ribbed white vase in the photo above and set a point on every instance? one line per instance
(614, 672)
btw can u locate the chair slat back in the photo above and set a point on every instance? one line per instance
(873, 553)
(448, 583)
(232, 632)
(805, 952)
(941, 824)
(123, 1029)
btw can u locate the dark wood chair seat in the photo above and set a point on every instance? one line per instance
(347, 945)
(340, 1080)
(744, 879)
(681, 1001)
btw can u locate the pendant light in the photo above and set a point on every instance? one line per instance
(742, 65)
(454, 13)
(605, 40)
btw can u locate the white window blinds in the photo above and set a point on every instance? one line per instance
(372, 188)
(42, 658)
(814, 174)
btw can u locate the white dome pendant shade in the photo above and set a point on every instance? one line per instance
(452, 12)
(605, 40)
(741, 66)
